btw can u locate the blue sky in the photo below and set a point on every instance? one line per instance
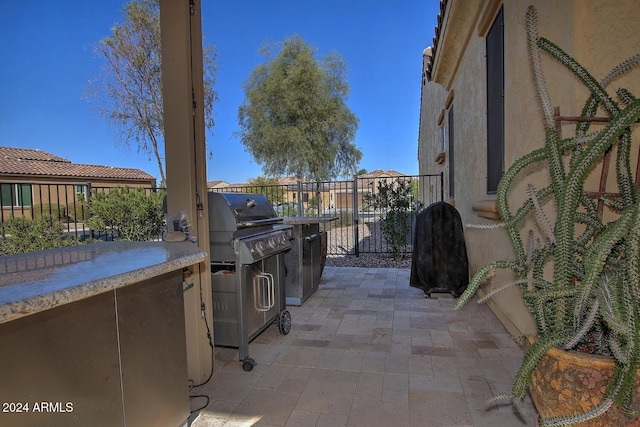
(47, 55)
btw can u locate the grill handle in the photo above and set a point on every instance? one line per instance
(311, 237)
(258, 222)
(263, 292)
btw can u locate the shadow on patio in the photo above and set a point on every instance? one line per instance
(368, 350)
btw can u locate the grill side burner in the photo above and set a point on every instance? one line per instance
(247, 243)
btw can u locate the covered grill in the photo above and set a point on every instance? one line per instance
(247, 242)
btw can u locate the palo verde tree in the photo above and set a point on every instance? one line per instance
(268, 186)
(294, 119)
(129, 92)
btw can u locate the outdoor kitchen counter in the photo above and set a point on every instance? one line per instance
(96, 334)
(305, 261)
(38, 281)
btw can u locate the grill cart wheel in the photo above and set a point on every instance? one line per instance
(284, 323)
(248, 364)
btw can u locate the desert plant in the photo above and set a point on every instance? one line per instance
(593, 297)
(398, 205)
(79, 210)
(28, 235)
(128, 213)
(48, 210)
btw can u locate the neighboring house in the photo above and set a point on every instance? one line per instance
(31, 179)
(211, 185)
(371, 180)
(324, 195)
(339, 194)
(480, 112)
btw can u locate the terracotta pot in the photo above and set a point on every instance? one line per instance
(566, 383)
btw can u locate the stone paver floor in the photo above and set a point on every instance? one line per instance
(368, 350)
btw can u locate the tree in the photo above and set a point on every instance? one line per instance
(294, 119)
(129, 93)
(270, 187)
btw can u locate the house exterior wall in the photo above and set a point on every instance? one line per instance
(600, 35)
(56, 196)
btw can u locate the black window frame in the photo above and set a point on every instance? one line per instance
(19, 193)
(495, 102)
(451, 143)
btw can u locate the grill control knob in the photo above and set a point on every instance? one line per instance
(272, 242)
(260, 247)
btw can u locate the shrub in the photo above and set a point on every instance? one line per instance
(397, 202)
(27, 235)
(128, 213)
(48, 210)
(78, 211)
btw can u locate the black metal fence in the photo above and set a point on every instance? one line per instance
(356, 228)
(66, 203)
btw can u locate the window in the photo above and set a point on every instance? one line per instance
(15, 195)
(495, 103)
(81, 192)
(451, 158)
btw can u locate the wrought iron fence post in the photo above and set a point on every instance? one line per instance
(300, 206)
(356, 217)
(89, 208)
(442, 186)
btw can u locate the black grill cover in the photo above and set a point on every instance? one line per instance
(439, 262)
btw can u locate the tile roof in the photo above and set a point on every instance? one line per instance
(436, 38)
(379, 173)
(29, 154)
(28, 162)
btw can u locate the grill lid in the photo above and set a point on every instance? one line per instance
(234, 211)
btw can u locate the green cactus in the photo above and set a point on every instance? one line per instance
(594, 295)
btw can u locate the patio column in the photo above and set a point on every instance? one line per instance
(185, 156)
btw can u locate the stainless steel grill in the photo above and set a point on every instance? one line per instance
(247, 243)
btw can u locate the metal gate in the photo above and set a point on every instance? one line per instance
(357, 227)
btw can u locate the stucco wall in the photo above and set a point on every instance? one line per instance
(432, 101)
(600, 35)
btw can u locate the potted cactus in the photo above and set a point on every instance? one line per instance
(579, 275)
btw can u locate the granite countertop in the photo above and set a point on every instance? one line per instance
(37, 281)
(308, 219)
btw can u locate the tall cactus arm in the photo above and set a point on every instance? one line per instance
(633, 270)
(574, 186)
(552, 146)
(507, 179)
(597, 254)
(531, 359)
(623, 169)
(579, 71)
(531, 25)
(625, 96)
(480, 276)
(591, 106)
(621, 68)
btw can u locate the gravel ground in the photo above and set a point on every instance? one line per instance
(370, 232)
(368, 261)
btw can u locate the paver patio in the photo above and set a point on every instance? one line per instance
(368, 350)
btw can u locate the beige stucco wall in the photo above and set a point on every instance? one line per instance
(599, 34)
